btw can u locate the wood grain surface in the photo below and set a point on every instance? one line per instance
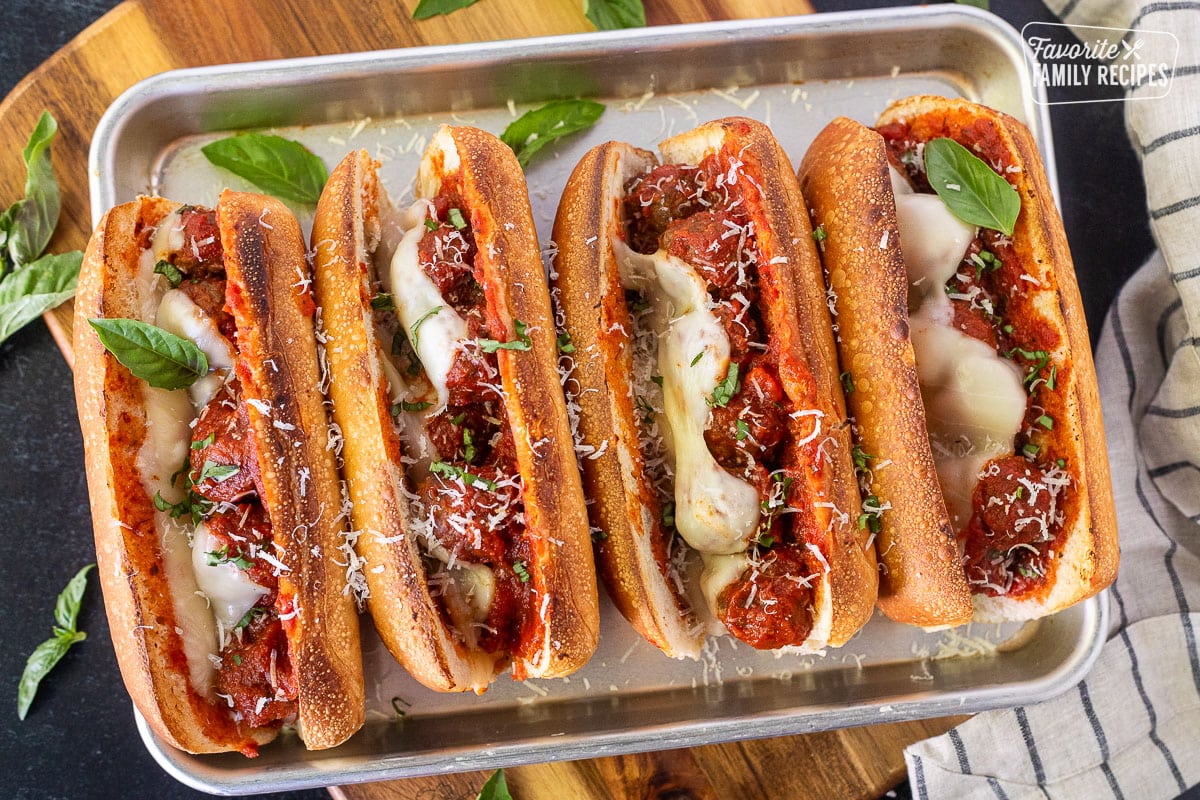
(140, 38)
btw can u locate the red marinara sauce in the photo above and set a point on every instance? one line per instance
(699, 214)
(473, 492)
(1021, 500)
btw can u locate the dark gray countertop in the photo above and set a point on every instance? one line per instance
(79, 740)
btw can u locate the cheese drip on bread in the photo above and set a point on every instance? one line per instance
(974, 399)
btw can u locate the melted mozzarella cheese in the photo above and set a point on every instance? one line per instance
(469, 595)
(168, 237)
(229, 589)
(440, 330)
(177, 314)
(974, 399)
(715, 512)
(718, 573)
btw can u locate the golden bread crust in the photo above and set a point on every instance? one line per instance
(1088, 553)
(844, 177)
(277, 366)
(493, 186)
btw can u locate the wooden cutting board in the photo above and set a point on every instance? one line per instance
(142, 37)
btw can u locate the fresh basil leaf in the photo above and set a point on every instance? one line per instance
(977, 3)
(970, 188)
(6, 223)
(611, 15)
(66, 610)
(282, 167)
(522, 342)
(33, 220)
(496, 787)
(36, 288)
(161, 359)
(536, 128)
(432, 8)
(50, 652)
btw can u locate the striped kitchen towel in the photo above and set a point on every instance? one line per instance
(1132, 728)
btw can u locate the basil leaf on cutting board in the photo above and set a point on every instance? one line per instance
(432, 8)
(34, 289)
(611, 15)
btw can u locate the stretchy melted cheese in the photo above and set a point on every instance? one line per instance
(229, 589)
(974, 399)
(715, 512)
(439, 329)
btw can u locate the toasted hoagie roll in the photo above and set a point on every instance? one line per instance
(1012, 412)
(458, 454)
(711, 423)
(215, 506)
(844, 178)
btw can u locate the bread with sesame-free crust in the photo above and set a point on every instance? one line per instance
(193, 679)
(760, 543)
(457, 452)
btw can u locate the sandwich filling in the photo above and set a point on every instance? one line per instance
(459, 459)
(729, 451)
(235, 640)
(990, 367)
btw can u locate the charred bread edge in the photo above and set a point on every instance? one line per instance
(844, 177)
(265, 258)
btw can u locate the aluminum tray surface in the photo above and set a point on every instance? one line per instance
(795, 74)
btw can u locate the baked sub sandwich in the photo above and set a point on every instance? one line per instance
(458, 454)
(962, 332)
(712, 428)
(215, 503)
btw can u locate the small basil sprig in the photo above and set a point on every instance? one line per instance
(970, 188)
(279, 166)
(537, 128)
(432, 8)
(160, 358)
(611, 15)
(51, 651)
(30, 285)
(496, 788)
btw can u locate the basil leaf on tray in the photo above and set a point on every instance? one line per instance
(47, 654)
(540, 126)
(34, 289)
(432, 8)
(970, 188)
(160, 358)
(33, 219)
(611, 15)
(278, 166)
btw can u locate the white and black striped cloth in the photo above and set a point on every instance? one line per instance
(1132, 728)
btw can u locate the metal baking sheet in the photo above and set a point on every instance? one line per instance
(794, 73)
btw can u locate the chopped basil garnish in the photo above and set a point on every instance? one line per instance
(564, 343)
(598, 535)
(383, 302)
(668, 514)
(696, 360)
(217, 473)
(169, 271)
(743, 429)
(726, 389)
(522, 342)
(969, 187)
(203, 443)
(431, 224)
(847, 382)
(819, 235)
(451, 471)
(1030, 450)
(468, 446)
(456, 219)
(657, 379)
(161, 359)
(1046, 421)
(223, 556)
(765, 542)
(861, 457)
(521, 572)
